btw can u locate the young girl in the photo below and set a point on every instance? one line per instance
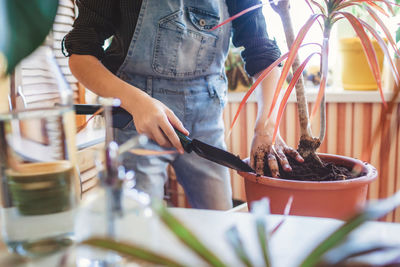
(167, 68)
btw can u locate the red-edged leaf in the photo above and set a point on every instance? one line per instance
(83, 126)
(385, 50)
(285, 214)
(367, 2)
(388, 4)
(324, 74)
(285, 98)
(318, 5)
(149, 152)
(336, 2)
(345, 5)
(313, 12)
(368, 50)
(382, 127)
(263, 75)
(384, 28)
(241, 13)
(336, 20)
(378, 8)
(309, 5)
(291, 57)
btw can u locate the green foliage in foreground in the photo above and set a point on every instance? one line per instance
(373, 211)
(23, 27)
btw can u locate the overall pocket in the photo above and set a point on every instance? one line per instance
(184, 47)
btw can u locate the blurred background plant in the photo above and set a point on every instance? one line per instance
(238, 80)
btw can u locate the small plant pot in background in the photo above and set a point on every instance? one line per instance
(397, 62)
(333, 199)
(389, 78)
(356, 73)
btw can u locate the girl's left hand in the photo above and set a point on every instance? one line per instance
(262, 150)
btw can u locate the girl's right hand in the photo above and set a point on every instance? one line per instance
(154, 119)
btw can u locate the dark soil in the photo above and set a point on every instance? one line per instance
(310, 170)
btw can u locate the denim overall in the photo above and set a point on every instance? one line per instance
(176, 59)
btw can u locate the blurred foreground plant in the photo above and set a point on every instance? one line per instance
(333, 250)
(23, 27)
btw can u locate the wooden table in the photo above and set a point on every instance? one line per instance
(297, 237)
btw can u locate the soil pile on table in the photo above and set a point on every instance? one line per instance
(312, 171)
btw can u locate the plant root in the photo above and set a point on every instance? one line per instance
(307, 149)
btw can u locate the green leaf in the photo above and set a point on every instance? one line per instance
(398, 35)
(353, 249)
(23, 27)
(373, 211)
(260, 209)
(233, 237)
(131, 250)
(186, 236)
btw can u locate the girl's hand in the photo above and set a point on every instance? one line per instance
(154, 119)
(262, 150)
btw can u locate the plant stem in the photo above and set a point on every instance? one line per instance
(308, 145)
(324, 72)
(301, 98)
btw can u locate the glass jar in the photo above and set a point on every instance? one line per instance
(40, 184)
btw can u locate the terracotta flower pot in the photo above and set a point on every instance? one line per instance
(335, 199)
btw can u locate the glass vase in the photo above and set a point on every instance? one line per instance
(115, 209)
(40, 184)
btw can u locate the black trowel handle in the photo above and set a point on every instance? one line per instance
(121, 117)
(185, 141)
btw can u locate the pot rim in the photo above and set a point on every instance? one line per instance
(371, 174)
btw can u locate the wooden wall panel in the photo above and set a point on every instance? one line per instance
(375, 158)
(397, 174)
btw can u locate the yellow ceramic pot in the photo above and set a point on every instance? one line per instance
(356, 73)
(397, 62)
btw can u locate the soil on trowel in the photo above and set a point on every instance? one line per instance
(311, 170)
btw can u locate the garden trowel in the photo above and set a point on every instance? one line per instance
(212, 153)
(217, 155)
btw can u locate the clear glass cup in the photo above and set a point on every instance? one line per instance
(40, 182)
(40, 185)
(114, 209)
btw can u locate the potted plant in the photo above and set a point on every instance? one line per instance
(238, 80)
(356, 74)
(355, 71)
(312, 195)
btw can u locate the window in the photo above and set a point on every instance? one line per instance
(303, 12)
